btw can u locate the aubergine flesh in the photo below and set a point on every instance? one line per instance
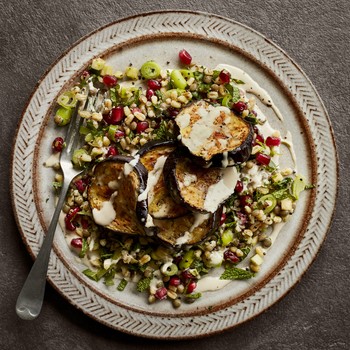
(189, 229)
(113, 195)
(160, 202)
(197, 188)
(215, 134)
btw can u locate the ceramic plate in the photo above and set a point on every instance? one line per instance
(211, 40)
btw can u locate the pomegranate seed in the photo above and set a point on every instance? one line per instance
(225, 76)
(191, 287)
(231, 256)
(174, 281)
(141, 127)
(223, 218)
(258, 138)
(187, 275)
(57, 144)
(149, 94)
(76, 242)
(115, 116)
(112, 151)
(110, 81)
(154, 84)
(239, 106)
(273, 141)
(185, 57)
(84, 223)
(239, 186)
(246, 200)
(263, 159)
(68, 220)
(161, 293)
(80, 185)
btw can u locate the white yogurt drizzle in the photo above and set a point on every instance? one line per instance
(153, 177)
(250, 85)
(288, 141)
(220, 191)
(106, 214)
(129, 167)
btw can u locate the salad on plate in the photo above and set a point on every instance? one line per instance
(182, 190)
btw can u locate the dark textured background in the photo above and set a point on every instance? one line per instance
(315, 314)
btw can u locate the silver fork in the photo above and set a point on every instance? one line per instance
(30, 299)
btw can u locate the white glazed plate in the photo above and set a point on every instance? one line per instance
(211, 40)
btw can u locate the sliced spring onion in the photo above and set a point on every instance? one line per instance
(83, 130)
(298, 186)
(98, 63)
(226, 237)
(63, 116)
(177, 79)
(80, 156)
(169, 269)
(186, 73)
(122, 285)
(187, 260)
(271, 202)
(132, 73)
(67, 100)
(112, 129)
(150, 70)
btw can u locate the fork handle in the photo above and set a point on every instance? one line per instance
(30, 299)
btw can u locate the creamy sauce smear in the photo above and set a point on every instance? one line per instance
(250, 85)
(220, 191)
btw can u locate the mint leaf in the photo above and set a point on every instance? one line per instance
(235, 273)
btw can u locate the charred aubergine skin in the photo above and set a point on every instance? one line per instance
(109, 179)
(160, 202)
(215, 135)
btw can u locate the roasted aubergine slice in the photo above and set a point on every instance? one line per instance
(189, 229)
(113, 195)
(215, 134)
(197, 188)
(160, 202)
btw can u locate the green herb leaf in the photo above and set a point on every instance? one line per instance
(57, 185)
(234, 92)
(193, 295)
(237, 81)
(143, 284)
(84, 248)
(235, 273)
(163, 133)
(245, 251)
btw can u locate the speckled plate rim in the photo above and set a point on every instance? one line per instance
(157, 326)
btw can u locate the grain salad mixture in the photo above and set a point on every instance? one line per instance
(181, 178)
